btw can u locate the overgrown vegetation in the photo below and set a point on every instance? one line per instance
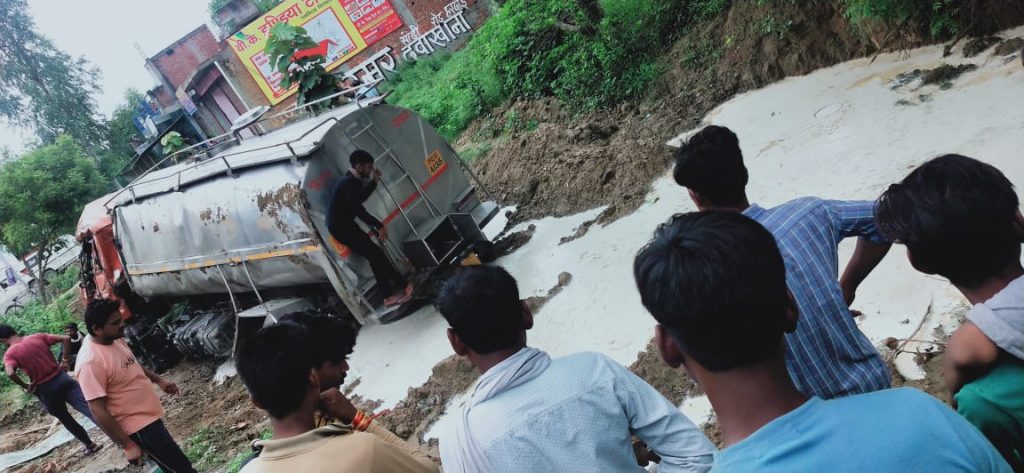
(939, 15)
(588, 53)
(594, 53)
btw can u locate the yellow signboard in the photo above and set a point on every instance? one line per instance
(342, 27)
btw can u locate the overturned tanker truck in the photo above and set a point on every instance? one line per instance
(202, 254)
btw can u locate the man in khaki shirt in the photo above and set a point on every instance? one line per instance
(278, 368)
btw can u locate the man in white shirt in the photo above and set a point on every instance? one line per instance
(530, 413)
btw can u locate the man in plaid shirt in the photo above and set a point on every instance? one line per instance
(827, 355)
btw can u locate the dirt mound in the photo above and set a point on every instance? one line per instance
(560, 166)
(945, 74)
(536, 302)
(424, 404)
(672, 383)
(1009, 47)
(514, 241)
(977, 46)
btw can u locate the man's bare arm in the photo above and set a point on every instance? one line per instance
(13, 375)
(866, 257)
(165, 385)
(969, 355)
(106, 421)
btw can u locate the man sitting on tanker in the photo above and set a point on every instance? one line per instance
(346, 204)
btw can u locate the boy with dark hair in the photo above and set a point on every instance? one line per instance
(120, 392)
(960, 218)
(278, 367)
(827, 355)
(47, 380)
(530, 413)
(716, 284)
(345, 206)
(332, 340)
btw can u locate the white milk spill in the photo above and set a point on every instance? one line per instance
(835, 133)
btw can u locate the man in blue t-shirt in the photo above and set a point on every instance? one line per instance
(716, 283)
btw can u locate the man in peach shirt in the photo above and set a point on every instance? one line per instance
(120, 395)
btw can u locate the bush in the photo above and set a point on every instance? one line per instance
(64, 281)
(939, 15)
(588, 53)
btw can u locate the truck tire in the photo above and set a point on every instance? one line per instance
(49, 274)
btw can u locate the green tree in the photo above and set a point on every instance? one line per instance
(43, 88)
(308, 72)
(41, 197)
(122, 136)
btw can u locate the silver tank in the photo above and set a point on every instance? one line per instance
(252, 217)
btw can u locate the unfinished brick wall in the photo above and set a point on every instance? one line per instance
(179, 60)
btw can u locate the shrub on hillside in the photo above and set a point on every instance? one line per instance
(588, 53)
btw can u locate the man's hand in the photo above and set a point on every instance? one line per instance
(382, 233)
(336, 405)
(133, 453)
(65, 365)
(849, 293)
(376, 173)
(167, 386)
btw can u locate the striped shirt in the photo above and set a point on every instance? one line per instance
(827, 355)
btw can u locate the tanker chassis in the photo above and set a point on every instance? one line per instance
(203, 253)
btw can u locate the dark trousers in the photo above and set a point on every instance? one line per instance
(156, 441)
(387, 276)
(56, 394)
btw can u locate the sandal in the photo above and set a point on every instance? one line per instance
(92, 449)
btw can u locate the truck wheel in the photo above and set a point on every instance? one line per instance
(49, 274)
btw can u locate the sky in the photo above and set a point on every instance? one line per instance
(104, 32)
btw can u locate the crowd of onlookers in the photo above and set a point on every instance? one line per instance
(749, 302)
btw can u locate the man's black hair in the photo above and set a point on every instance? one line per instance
(360, 156)
(710, 164)
(98, 312)
(956, 215)
(6, 331)
(332, 338)
(717, 283)
(275, 367)
(71, 325)
(482, 305)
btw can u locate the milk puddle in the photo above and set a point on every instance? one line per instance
(835, 133)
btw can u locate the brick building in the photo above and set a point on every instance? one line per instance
(414, 14)
(204, 86)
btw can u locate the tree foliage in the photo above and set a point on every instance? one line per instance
(43, 88)
(42, 195)
(308, 72)
(122, 136)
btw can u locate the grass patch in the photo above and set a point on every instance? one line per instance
(202, 450)
(472, 153)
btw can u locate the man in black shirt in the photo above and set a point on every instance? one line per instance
(347, 204)
(69, 358)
